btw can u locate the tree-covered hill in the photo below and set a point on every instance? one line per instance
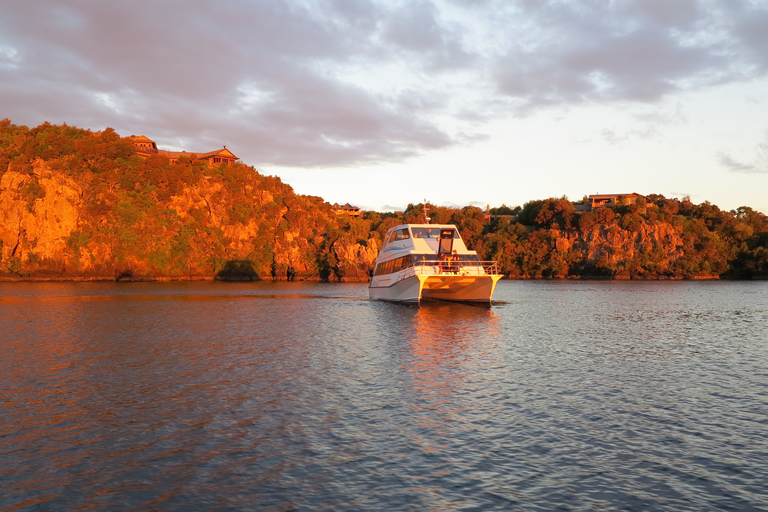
(81, 204)
(653, 238)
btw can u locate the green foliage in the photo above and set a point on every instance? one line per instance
(506, 210)
(711, 242)
(31, 192)
(77, 240)
(470, 222)
(529, 212)
(151, 216)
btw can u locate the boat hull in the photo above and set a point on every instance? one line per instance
(459, 288)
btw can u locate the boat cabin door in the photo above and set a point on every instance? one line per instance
(446, 242)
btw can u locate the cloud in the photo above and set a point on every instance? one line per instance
(668, 13)
(759, 166)
(417, 27)
(650, 124)
(611, 137)
(183, 70)
(638, 51)
(348, 82)
(734, 166)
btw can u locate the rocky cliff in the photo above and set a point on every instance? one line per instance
(650, 250)
(34, 230)
(76, 204)
(657, 238)
(50, 228)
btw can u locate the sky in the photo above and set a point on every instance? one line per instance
(385, 103)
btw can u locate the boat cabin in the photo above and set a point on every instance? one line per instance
(425, 238)
(414, 244)
(430, 261)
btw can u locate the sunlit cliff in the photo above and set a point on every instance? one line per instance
(76, 204)
(80, 204)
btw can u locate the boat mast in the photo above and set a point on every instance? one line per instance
(427, 218)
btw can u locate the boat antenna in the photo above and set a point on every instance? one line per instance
(427, 218)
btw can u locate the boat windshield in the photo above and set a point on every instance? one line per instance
(400, 234)
(430, 233)
(427, 259)
(423, 258)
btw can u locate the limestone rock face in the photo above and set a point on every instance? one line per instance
(90, 227)
(48, 227)
(618, 244)
(34, 227)
(355, 260)
(609, 246)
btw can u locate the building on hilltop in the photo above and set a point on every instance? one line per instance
(347, 209)
(146, 147)
(601, 200)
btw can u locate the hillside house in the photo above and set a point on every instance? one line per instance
(601, 200)
(347, 209)
(146, 147)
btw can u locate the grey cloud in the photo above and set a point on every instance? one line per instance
(629, 51)
(751, 32)
(734, 166)
(413, 26)
(611, 137)
(272, 79)
(760, 166)
(176, 70)
(663, 117)
(416, 26)
(668, 13)
(650, 122)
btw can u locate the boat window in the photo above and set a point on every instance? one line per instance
(381, 268)
(422, 258)
(447, 233)
(402, 234)
(391, 266)
(426, 232)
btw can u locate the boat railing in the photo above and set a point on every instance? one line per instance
(450, 268)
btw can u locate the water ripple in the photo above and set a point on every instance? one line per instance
(305, 396)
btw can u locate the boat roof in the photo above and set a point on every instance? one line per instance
(433, 226)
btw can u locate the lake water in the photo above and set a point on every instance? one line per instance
(308, 396)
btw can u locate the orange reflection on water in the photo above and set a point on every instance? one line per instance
(446, 335)
(43, 388)
(447, 339)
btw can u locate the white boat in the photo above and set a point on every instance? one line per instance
(431, 261)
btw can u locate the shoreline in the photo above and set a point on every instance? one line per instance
(245, 279)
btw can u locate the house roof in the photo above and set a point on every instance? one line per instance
(600, 196)
(219, 152)
(142, 139)
(176, 154)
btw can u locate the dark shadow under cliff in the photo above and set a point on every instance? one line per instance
(238, 270)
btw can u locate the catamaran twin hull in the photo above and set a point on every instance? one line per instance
(438, 287)
(431, 261)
